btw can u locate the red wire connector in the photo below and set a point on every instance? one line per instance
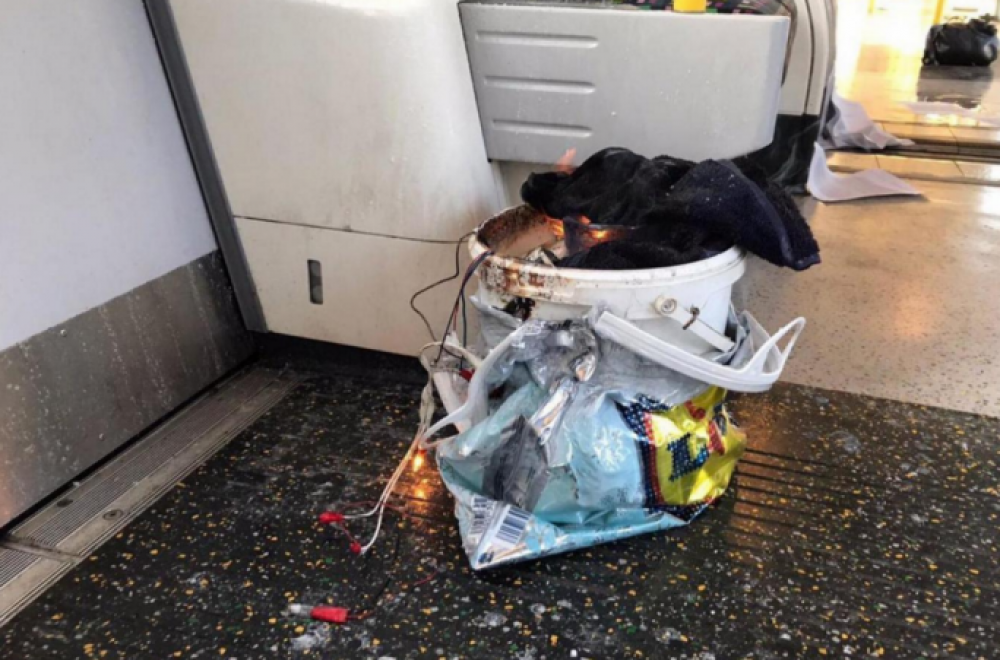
(330, 614)
(337, 520)
(331, 517)
(327, 613)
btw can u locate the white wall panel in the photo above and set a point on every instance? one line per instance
(97, 193)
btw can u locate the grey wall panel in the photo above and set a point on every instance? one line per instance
(548, 78)
(175, 67)
(74, 393)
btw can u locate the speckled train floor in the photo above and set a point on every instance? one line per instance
(856, 527)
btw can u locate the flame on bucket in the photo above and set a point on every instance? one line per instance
(584, 234)
(556, 227)
(565, 162)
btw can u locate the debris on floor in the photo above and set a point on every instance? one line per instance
(813, 546)
(828, 186)
(851, 127)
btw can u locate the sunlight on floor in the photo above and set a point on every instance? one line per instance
(879, 48)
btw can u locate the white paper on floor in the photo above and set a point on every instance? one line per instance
(852, 127)
(953, 110)
(827, 186)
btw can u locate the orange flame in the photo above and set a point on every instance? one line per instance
(565, 162)
(594, 236)
(557, 227)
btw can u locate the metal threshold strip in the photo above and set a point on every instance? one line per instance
(39, 551)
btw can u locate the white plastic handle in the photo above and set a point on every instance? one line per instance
(758, 375)
(476, 407)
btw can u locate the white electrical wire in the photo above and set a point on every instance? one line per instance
(426, 403)
(427, 409)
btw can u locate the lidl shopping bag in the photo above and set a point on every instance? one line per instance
(584, 442)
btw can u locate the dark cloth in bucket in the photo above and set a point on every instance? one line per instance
(652, 246)
(719, 203)
(613, 187)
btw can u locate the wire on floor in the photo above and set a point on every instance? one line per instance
(427, 408)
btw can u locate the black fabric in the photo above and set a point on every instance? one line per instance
(653, 246)
(684, 211)
(786, 160)
(962, 44)
(612, 187)
(802, 250)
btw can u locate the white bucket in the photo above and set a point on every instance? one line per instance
(660, 301)
(671, 316)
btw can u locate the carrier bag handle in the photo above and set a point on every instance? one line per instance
(757, 375)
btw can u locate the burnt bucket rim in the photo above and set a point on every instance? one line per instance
(734, 257)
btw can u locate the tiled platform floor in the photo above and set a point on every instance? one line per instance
(879, 50)
(904, 305)
(856, 527)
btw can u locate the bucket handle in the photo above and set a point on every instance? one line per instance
(758, 375)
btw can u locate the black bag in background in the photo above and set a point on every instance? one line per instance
(962, 44)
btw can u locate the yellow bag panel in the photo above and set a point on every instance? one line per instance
(689, 451)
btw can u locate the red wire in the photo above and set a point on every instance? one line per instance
(361, 616)
(425, 580)
(355, 545)
(345, 531)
